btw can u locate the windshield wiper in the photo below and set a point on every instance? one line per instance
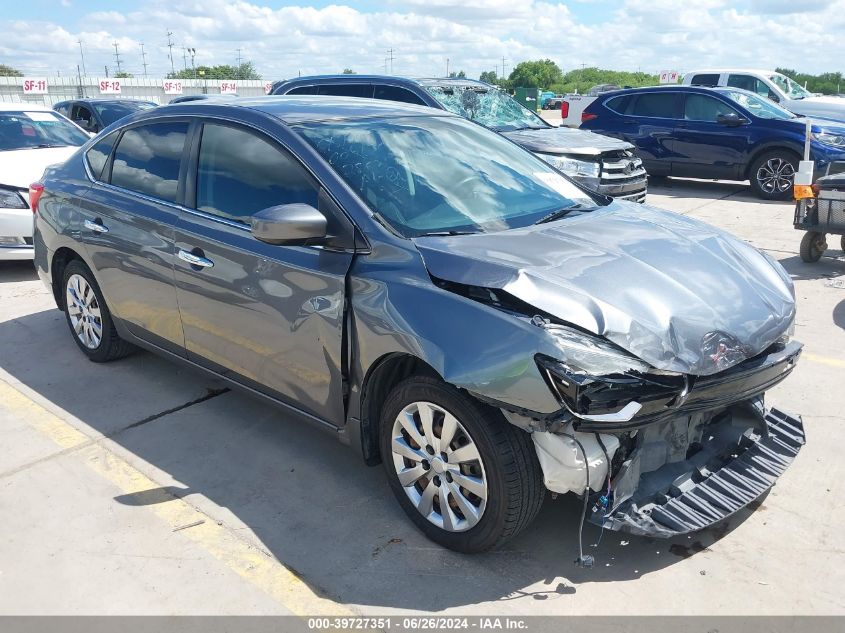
(446, 233)
(556, 215)
(45, 146)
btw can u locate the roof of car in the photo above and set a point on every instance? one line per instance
(298, 109)
(100, 100)
(421, 81)
(17, 106)
(754, 71)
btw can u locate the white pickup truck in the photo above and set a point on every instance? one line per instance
(573, 104)
(777, 87)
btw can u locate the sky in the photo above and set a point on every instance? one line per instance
(284, 39)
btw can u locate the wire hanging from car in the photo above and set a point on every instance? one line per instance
(604, 501)
(584, 560)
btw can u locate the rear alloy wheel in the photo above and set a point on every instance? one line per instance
(466, 478)
(813, 246)
(772, 175)
(89, 318)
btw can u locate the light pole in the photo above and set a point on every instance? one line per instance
(192, 52)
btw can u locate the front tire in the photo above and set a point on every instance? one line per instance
(88, 316)
(465, 476)
(772, 175)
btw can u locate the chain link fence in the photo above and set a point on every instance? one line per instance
(148, 88)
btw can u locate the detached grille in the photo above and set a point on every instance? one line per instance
(623, 177)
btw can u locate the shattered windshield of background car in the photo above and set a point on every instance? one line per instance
(490, 107)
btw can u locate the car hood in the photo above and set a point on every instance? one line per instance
(677, 293)
(565, 140)
(829, 107)
(21, 167)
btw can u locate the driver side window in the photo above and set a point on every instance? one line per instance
(703, 108)
(747, 82)
(84, 118)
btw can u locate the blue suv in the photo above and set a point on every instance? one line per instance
(723, 133)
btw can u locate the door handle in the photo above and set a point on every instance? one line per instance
(195, 260)
(97, 227)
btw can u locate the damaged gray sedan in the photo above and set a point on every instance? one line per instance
(442, 300)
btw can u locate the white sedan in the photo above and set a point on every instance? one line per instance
(32, 137)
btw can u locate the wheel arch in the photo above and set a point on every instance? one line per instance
(61, 258)
(794, 149)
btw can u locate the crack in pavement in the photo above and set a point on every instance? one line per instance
(211, 393)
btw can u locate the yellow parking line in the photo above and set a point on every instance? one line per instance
(251, 563)
(824, 360)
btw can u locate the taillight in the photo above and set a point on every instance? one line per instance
(35, 191)
(564, 109)
(588, 116)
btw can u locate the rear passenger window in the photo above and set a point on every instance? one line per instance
(747, 82)
(654, 104)
(708, 79)
(395, 93)
(240, 173)
(620, 105)
(99, 154)
(303, 90)
(147, 159)
(346, 90)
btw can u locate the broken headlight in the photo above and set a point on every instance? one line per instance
(597, 381)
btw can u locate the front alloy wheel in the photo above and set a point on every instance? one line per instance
(465, 476)
(772, 175)
(439, 466)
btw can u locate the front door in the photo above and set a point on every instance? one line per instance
(268, 316)
(705, 148)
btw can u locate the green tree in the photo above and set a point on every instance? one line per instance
(458, 75)
(349, 71)
(542, 73)
(224, 71)
(582, 79)
(826, 83)
(489, 77)
(8, 71)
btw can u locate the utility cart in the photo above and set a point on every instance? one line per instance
(820, 211)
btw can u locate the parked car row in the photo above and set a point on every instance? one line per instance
(439, 298)
(600, 163)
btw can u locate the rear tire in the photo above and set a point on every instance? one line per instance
(494, 458)
(772, 175)
(813, 246)
(88, 316)
(842, 243)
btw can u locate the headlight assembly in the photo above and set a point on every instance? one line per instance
(10, 199)
(834, 140)
(598, 382)
(572, 166)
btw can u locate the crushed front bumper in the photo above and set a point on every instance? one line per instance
(706, 493)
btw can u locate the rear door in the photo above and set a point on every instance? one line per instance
(269, 316)
(648, 122)
(705, 148)
(127, 225)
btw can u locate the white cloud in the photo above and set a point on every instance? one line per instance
(474, 34)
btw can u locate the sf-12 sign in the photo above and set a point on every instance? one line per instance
(109, 86)
(228, 88)
(34, 85)
(669, 76)
(172, 87)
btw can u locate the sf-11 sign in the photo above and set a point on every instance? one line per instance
(34, 85)
(109, 86)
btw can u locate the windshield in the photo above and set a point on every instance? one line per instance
(758, 106)
(488, 106)
(789, 87)
(30, 130)
(114, 111)
(426, 175)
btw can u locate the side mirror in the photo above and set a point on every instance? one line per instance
(732, 119)
(288, 224)
(774, 97)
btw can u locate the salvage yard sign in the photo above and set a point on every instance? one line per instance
(109, 86)
(172, 87)
(228, 88)
(35, 85)
(669, 76)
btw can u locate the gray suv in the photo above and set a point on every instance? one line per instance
(601, 163)
(438, 298)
